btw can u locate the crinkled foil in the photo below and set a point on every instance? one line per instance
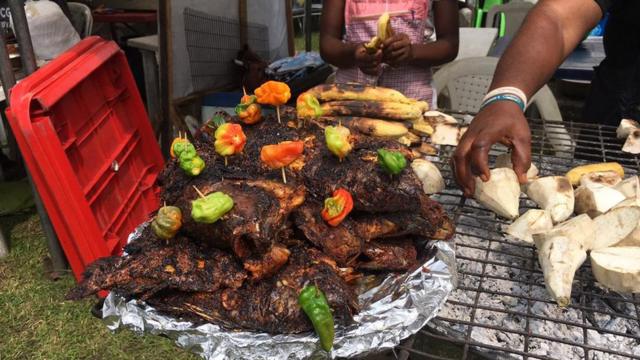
(391, 311)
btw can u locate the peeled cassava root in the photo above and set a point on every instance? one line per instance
(554, 194)
(561, 251)
(595, 199)
(532, 222)
(626, 127)
(429, 175)
(605, 178)
(501, 194)
(504, 160)
(632, 145)
(614, 226)
(617, 268)
(559, 257)
(628, 187)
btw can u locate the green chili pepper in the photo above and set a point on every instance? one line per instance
(181, 146)
(190, 161)
(167, 222)
(211, 208)
(337, 138)
(315, 305)
(392, 162)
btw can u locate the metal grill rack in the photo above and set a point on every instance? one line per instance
(500, 308)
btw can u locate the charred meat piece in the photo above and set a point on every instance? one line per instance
(345, 242)
(180, 265)
(254, 227)
(372, 189)
(340, 243)
(269, 264)
(270, 305)
(255, 223)
(392, 255)
(386, 225)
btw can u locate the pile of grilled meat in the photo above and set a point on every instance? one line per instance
(246, 270)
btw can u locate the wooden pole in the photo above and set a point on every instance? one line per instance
(290, 31)
(164, 32)
(242, 17)
(307, 25)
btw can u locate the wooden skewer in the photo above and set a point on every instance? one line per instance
(278, 114)
(225, 161)
(284, 175)
(244, 91)
(199, 192)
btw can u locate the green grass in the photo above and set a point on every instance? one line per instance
(315, 41)
(37, 323)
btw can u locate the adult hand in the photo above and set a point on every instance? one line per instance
(368, 63)
(397, 50)
(503, 122)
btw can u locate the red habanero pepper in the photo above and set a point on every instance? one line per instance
(337, 207)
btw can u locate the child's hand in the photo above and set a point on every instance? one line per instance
(397, 50)
(368, 63)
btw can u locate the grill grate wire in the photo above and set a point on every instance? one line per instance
(556, 148)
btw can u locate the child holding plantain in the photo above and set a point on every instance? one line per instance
(404, 59)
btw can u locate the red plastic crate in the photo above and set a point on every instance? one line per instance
(87, 141)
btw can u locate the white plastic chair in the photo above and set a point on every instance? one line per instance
(465, 82)
(81, 18)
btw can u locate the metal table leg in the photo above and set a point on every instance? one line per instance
(4, 246)
(8, 81)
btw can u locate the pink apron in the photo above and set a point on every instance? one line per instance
(408, 17)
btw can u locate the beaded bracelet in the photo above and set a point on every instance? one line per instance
(501, 97)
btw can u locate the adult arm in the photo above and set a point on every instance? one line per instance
(337, 52)
(551, 30)
(399, 50)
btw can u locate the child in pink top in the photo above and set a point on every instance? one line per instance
(405, 60)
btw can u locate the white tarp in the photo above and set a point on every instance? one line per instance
(269, 13)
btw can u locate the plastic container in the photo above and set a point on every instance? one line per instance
(87, 141)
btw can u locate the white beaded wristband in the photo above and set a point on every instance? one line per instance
(507, 90)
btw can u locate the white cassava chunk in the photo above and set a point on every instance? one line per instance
(628, 187)
(632, 145)
(554, 194)
(617, 268)
(581, 229)
(429, 175)
(501, 194)
(446, 134)
(633, 239)
(504, 160)
(628, 202)
(613, 226)
(605, 178)
(532, 222)
(596, 199)
(559, 258)
(626, 127)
